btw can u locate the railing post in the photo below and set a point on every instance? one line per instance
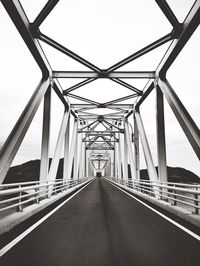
(196, 197)
(20, 207)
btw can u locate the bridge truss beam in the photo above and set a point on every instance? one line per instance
(115, 140)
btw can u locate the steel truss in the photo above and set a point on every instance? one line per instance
(115, 141)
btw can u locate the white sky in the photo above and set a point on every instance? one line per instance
(103, 32)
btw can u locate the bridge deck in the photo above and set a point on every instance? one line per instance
(101, 225)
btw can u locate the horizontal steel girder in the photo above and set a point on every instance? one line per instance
(112, 131)
(127, 106)
(100, 148)
(117, 74)
(100, 141)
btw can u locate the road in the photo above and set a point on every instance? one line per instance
(100, 226)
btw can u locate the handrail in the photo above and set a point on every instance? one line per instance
(171, 192)
(17, 197)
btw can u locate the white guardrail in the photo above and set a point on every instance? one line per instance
(177, 194)
(19, 195)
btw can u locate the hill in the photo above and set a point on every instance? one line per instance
(29, 171)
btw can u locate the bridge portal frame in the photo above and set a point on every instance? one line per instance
(31, 35)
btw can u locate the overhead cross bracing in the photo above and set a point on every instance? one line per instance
(101, 209)
(101, 125)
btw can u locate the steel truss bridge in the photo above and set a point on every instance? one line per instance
(111, 152)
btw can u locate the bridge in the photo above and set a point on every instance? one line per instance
(101, 211)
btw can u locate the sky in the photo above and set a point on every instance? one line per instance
(103, 32)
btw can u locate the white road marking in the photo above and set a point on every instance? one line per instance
(30, 229)
(161, 214)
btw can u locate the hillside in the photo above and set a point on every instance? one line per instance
(29, 171)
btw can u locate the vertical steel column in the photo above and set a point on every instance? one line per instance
(75, 167)
(161, 146)
(72, 148)
(188, 125)
(66, 151)
(136, 149)
(121, 161)
(44, 163)
(60, 141)
(79, 154)
(125, 168)
(130, 151)
(145, 145)
(82, 161)
(116, 160)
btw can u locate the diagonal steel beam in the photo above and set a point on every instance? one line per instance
(44, 13)
(19, 18)
(59, 144)
(108, 123)
(66, 51)
(127, 106)
(107, 141)
(89, 125)
(147, 90)
(78, 85)
(141, 52)
(168, 13)
(120, 99)
(108, 129)
(14, 140)
(91, 142)
(189, 25)
(188, 125)
(60, 95)
(82, 99)
(125, 84)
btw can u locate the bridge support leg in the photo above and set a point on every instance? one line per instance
(66, 151)
(147, 153)
(116, 161)
(121, 175)
(57, 153)
(125, 163)
(161, 146)
(44, 163)
(75, 166)
(130, 151)
(72, 148)
(82, 165)
(136, 150)
(79, 155)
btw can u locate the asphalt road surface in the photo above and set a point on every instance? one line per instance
(103, 226)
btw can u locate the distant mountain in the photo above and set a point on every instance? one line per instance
(175, 174)
(29, 171)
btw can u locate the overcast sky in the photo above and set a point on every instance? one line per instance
(103, 32)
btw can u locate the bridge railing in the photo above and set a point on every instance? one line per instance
(19, 195)
(177, 194)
